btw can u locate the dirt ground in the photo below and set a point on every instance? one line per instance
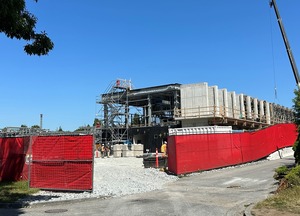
(270, 212)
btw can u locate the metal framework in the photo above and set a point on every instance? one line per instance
(124, 108)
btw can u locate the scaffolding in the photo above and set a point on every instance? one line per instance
(123, 108)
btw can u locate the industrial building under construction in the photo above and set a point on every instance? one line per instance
(144, 115)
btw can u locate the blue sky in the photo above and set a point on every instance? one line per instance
(234, 44)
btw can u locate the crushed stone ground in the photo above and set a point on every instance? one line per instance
(113, 177)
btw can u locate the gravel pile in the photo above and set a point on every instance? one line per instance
(113, 177)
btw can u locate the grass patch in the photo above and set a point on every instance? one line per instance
(287, 200)
(287, 196)
(12, 191)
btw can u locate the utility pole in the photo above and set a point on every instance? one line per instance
(286, 42)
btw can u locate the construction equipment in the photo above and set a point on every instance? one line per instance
(286, 42)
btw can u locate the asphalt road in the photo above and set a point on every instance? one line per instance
(222, 192)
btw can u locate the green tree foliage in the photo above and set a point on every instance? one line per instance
(83, 128)
(296, 108)
(17, 22)
(97, 122)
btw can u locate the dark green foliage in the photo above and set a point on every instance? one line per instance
(293, 177)
(296, 149)
(296, 108)
(288, 176)
(97, 122)
(17, 22)
(280, 172)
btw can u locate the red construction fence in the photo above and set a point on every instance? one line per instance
(190, 153)
(12, 157)
(49, 162)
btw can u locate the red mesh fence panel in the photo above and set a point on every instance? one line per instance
(62, 162)
(12, 158)
(190, 153)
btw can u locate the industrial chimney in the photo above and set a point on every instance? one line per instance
(41, 121)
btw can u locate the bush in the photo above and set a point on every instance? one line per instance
(293, 177)
(296, 148)
(281, 172)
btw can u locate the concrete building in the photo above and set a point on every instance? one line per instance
(144, 115)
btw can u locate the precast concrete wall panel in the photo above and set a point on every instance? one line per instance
(225, 99)
(267, 108)
(221, 102)
(242, 106)
(237, 107)
(213, 101)
(194, 100)
(230, 104)
(255, 108)
(248, 107)
(200, 101)
(234, 105)
(261, 111)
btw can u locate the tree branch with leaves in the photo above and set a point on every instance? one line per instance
(17, 22)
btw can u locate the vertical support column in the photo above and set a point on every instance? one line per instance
(127, 112)
(176, 104)
(145, 115)
(105, 115)
(149, 111)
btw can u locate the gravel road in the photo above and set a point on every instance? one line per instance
(113, 177)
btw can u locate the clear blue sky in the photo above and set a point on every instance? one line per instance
(234, 44)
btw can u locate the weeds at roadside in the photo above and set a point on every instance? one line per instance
(287, 196)
(12, 191)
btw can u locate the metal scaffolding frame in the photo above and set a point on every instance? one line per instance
(123, 108)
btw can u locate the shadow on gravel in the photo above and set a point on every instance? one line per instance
(32, 198)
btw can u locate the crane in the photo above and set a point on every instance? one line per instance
(286, 42)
